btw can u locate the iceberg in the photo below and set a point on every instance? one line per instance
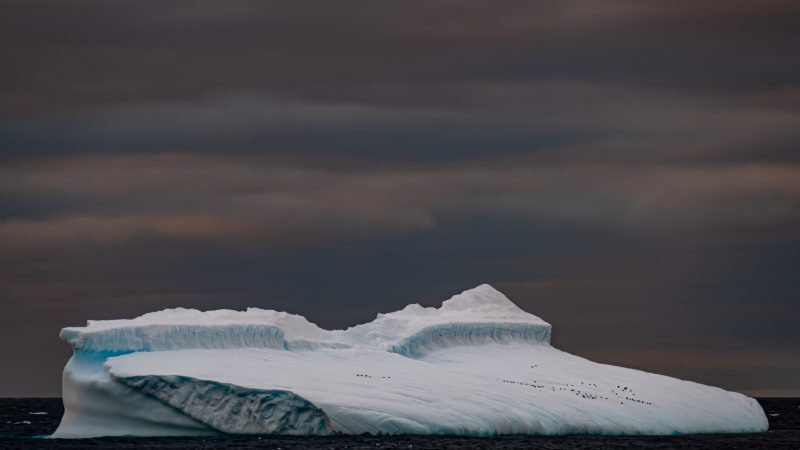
(478, 366)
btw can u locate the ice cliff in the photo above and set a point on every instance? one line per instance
(477, 365)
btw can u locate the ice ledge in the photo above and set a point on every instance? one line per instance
(475, 316)
(440, 336)
(175, 337)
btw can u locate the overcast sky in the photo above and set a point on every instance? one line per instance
(627, 170)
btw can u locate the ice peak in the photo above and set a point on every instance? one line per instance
(484, 288)
(482, 298)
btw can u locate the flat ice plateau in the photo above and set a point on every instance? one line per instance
(478, 365)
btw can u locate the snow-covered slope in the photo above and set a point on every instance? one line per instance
(478, 365)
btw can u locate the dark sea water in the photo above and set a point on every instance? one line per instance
(22, 420)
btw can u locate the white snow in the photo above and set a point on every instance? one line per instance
(478, 365)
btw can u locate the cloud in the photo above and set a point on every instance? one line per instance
(83, 55)
(620, 167)
(251, 201)
(583, 122)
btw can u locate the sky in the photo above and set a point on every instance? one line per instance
(629, 171)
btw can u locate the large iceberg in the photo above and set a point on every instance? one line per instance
(478, 365)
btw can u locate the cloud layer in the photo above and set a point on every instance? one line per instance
(627, 170)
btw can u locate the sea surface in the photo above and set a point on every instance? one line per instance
(23, 422)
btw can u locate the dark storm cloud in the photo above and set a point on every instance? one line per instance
(247, 199)
(89, 54)
(627, 170)
(591, 120)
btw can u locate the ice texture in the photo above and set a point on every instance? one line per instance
(234, 409)
(478, 365)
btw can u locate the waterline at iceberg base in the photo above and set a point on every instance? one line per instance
(478, 366)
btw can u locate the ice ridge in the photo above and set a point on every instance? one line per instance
(478, 315)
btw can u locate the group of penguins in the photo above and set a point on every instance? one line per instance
(586, 395)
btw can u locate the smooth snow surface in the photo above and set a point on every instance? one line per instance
(478, 365)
